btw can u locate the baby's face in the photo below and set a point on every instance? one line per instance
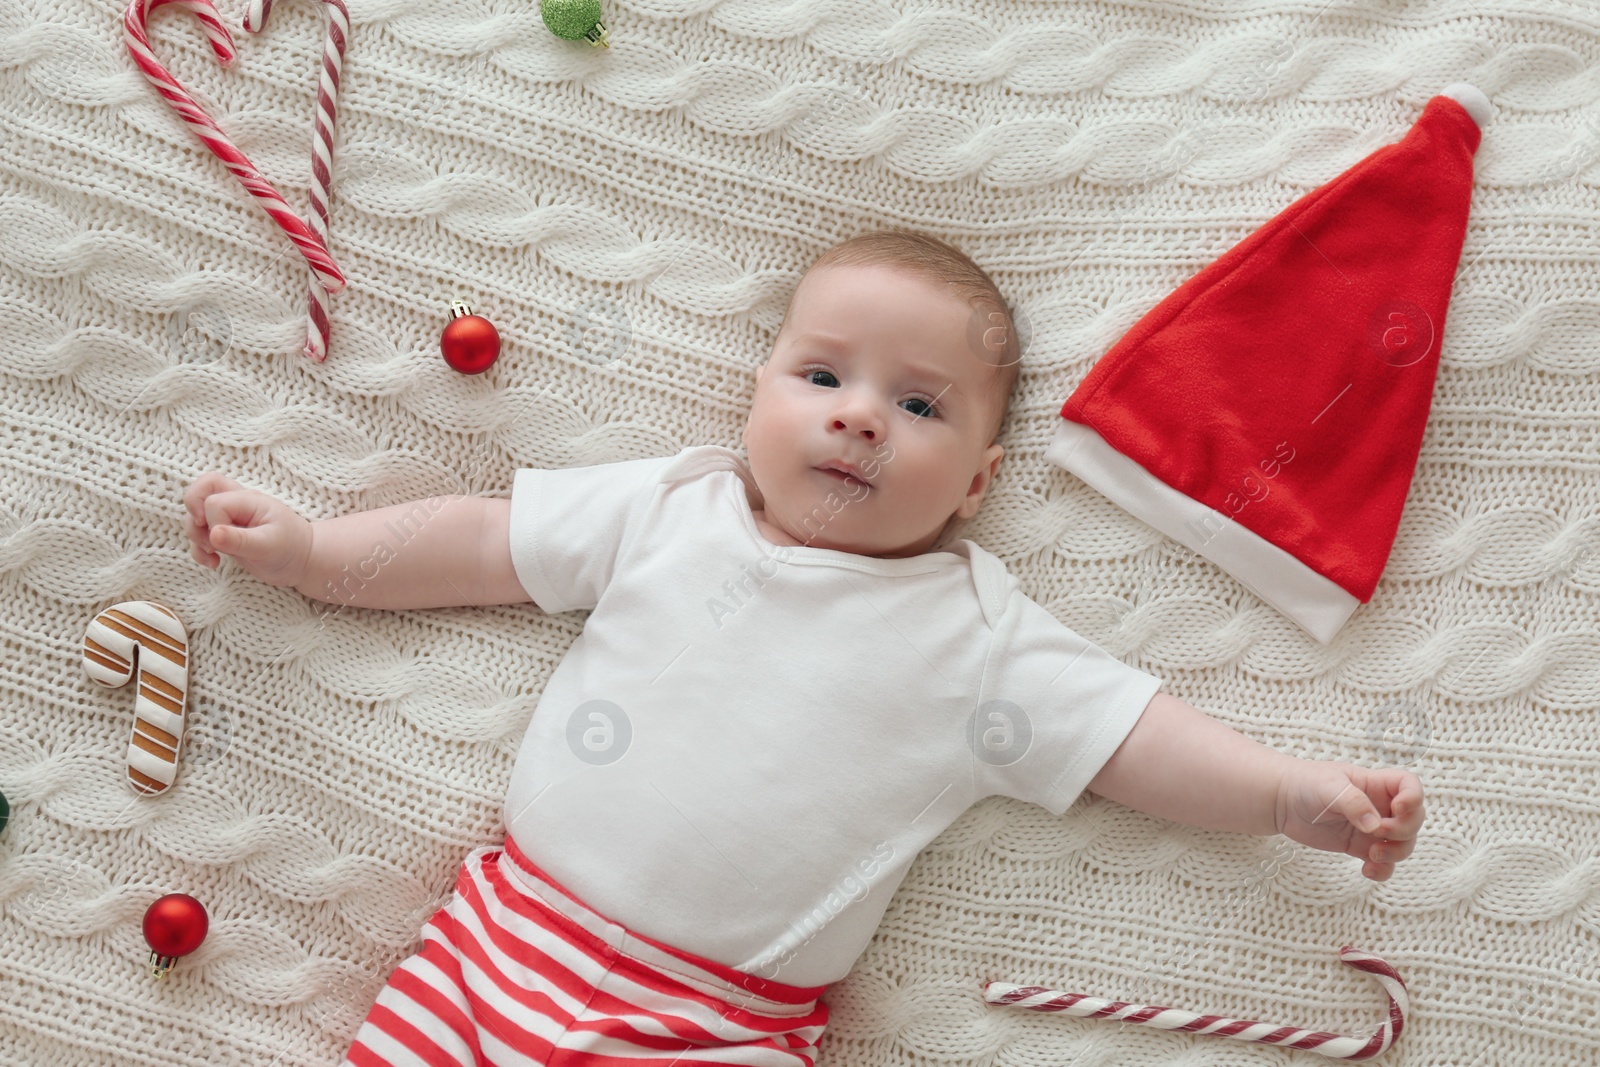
(873, 367)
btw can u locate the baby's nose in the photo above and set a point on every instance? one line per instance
(857, 412)
(858, 425)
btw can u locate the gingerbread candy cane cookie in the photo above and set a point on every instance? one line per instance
(148, 635)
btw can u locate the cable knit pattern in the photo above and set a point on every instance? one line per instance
(633, 221)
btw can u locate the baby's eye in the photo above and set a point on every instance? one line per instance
(931, 410)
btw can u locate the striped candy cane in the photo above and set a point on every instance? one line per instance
(1338, 1046)
(311, 246)
(321, 153)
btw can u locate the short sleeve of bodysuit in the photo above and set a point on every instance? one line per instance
(1054, 708)
(569, 525)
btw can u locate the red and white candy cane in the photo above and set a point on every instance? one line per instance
(1338, 1046)
(321, 152)
(310, 244)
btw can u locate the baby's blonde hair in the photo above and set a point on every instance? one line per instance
(940, 261)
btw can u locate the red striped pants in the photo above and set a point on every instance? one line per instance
(515, 970)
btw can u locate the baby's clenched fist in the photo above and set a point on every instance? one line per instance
(262, 535)
(1371, 814)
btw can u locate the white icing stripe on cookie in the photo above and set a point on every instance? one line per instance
(149, 634)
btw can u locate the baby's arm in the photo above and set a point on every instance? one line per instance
(439, 552)
(1179, 763)
(442, 552)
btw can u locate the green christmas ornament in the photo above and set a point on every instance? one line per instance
(575, 20)
(5, 812)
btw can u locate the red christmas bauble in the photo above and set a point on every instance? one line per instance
(175, 925)
(470, 343)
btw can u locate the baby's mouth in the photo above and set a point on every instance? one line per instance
(843, 477)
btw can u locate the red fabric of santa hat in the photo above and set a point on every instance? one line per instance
(1268, 413)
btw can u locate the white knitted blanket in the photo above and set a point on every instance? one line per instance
(633, 220)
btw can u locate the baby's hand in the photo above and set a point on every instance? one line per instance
(265, 537)
(1322, 804)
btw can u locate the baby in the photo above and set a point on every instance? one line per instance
(788, 684)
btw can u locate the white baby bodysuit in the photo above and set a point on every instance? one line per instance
(748, 744)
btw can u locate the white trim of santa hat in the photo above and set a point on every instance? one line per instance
(1269, 412)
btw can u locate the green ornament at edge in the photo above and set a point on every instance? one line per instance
(5, 812)
(575, 20)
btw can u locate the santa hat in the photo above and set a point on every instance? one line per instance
(1268, 413)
